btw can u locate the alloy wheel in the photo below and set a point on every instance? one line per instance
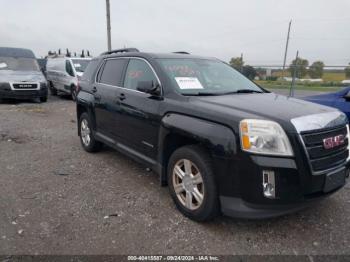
(85, 132)
(188, 184)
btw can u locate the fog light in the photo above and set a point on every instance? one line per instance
(269, 184)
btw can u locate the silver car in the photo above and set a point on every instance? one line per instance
(20, 75)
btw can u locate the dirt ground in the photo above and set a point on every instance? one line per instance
(57, 199)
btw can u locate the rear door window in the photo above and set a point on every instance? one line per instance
(112, 72)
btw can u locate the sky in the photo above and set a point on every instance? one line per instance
(220, 28)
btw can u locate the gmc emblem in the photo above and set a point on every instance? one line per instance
(332, 142)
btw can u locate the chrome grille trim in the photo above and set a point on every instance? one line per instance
(335, 153)
(318, 124)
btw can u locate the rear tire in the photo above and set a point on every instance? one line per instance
(53, 90)
(191, 183)
(87, 139)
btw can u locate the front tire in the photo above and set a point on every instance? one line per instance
(73, 93)
(43, 99)
(192, 184)
(87, 139)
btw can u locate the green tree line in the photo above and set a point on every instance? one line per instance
(315, 70)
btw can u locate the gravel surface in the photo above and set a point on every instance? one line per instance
(57, 199)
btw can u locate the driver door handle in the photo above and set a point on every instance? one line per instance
(122, 96)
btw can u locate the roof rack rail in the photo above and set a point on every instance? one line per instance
(182, 52)
(124, 50)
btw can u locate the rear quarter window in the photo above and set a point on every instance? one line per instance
(90, 70)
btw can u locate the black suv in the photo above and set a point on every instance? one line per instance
(220, 142)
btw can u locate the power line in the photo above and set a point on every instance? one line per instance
(321, 38)
(334, 19)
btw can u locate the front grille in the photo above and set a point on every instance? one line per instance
(321, 158)
(23, 86)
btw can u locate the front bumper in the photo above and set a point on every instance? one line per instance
(296, 188)
(236, 207)
(23, 94)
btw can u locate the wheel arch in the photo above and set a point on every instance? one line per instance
(180, 130)
(85, 104)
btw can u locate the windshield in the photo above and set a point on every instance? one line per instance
(19, 64)
(80, 64)
(206, 77)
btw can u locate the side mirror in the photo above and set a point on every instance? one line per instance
(148, 87)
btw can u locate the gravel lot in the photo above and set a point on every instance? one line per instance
(57, 199)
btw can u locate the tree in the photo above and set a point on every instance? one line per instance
(316, 69)
(301, 66)
(237, 63)
(249, 72)
(347, 71)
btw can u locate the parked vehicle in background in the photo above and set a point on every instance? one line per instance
(220, 142)
(339, 100)
(63, 73)
(42, 64)
(20, 75)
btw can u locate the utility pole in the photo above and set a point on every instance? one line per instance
(286, 50)
(109, 41)
(292, 87)
(241, 62)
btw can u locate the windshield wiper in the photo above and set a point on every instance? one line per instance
(247, 91)
(203, 94)
(242, 91)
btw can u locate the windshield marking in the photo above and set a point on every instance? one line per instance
(188, 83)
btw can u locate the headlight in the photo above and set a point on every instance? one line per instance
(264, 137)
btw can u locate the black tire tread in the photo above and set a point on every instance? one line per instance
(43, 99)
(95, 145)
(53, 90)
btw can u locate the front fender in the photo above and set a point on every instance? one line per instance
(219, 139)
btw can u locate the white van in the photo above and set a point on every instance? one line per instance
(62, 73)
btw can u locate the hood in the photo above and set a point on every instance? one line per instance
(21, 76)
(261, 106)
